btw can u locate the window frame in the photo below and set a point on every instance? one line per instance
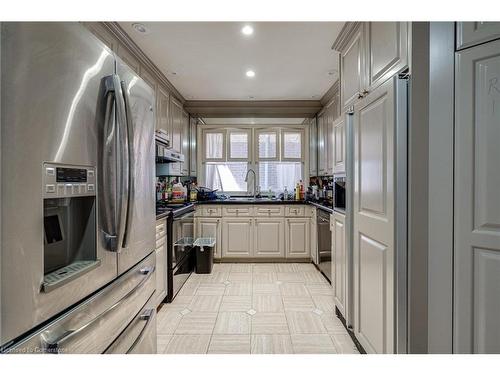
(248, 132)
(224, 144)
(260, 131)
(302, 149)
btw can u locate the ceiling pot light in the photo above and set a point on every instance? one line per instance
(250, 73)
(247, 30)
(139, 27)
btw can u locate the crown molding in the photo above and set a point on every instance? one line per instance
(349, 29)
(253, 108)
(331, 94)
(120, 34)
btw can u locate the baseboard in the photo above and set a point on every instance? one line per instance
(349, 331)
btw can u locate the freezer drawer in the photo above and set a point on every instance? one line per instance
(140, 335)
(93, 325)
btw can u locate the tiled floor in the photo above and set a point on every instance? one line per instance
(264, 308)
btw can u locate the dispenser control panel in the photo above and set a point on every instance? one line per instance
(61, 181)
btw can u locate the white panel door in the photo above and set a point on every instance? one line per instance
(477, 200)
(269, 237)
(339, 261)
(298, 240)
(210, 227)
(237, 239)
(374, 220)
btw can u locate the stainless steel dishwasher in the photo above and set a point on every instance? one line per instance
(324, 244)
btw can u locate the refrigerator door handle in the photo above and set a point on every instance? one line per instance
(130, 169)
(123, 162)
(108, 158)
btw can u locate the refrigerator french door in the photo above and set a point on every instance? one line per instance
(77, 170)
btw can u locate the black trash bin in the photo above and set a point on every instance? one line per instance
(204, 248)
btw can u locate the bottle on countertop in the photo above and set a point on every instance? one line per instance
(285, 194)
(297, 192)
(301, 192)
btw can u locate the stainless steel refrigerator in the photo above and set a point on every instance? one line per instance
(77, 195)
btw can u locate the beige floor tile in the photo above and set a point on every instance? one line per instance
(304, 322)
(229, 344)
(265, 277)
(264, 268)
(344, 344)
(236, 303)
(216, 277)
(290, 277)
(268, 288)
(222, 267)
(188, 344)
(271, 344)
(205, 303)
(324, 303)
(269, 323)
(239, 289)
(168, 319)
(210, 289)
(267, 303)
(312, 344)
(201, 323)
(180, 301)
(284, 267)
(293, 289)
(240, 277)
(232, 323)
(304, 267)
(188, 290)
(162, 342)
(320, 289)
(315, 277)
(298, 303)
(241, 267)
(332, 324)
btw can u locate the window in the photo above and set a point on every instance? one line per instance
(276, 155)
(276, 175)
(226, 176)
(226, 171)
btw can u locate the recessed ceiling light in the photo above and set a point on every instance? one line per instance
(332, 72)
(140, 28)
(247, 30)
(250, 73)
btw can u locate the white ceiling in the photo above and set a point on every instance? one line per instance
(252, 121)
(292, 60)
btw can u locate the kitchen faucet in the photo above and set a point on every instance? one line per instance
(254, 182)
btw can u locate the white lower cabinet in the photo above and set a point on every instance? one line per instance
(339, 261)
(210, 227)
(161, 261)
(314, 237)
(297, 237)
(237, 239)
(269, 237)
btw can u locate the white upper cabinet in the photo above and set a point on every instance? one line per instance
(387, 51)
(321, 145)
(339, 146)
(352, 65)
(185, 141)
(472, 33)
(313, 147)
(176, 124)
(370, 53)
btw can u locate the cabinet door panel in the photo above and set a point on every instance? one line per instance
(352, 67)
(313, 148)
(269, 238)
(339, 261)
(472, 33)
(176, 124)
(387, 44)
(193, 147)
(339, 150)
(185, 143)
(163, 111)
(237, 239)
(321, 145)
(298, 240)
(477, 202)
(373, 235)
